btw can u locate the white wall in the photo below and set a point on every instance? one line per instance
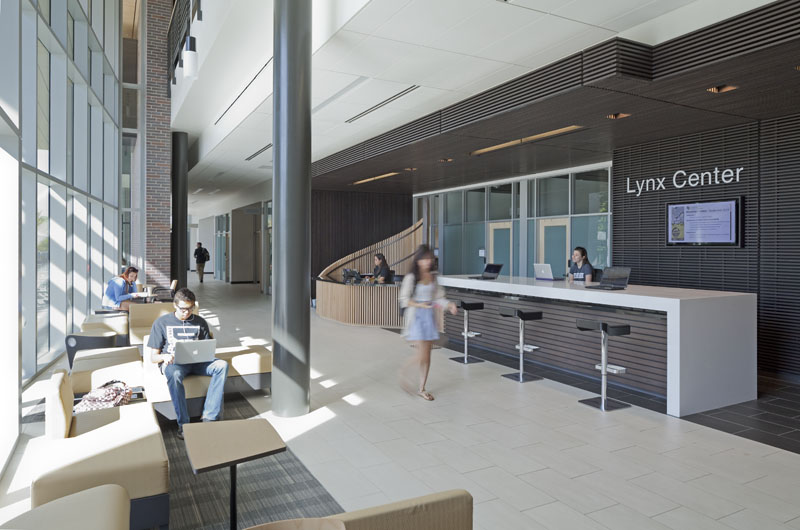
(242, 259)
(205, 234)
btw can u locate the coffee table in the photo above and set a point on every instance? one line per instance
(217, 444)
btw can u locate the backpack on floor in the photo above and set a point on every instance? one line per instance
(112, 394)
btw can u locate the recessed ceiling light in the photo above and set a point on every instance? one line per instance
(393, 173)
(520, 141)
(721, 89)
(409, 169)
(797, 67)
(617, 116)
(445, 160)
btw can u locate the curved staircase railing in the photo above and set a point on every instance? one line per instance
(398, 250)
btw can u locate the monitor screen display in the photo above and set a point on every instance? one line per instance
(704, 223)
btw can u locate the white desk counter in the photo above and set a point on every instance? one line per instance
(711, 335)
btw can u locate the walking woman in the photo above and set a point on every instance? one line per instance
(421, 295)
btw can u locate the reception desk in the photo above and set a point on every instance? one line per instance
(695, 348)
(359, 305)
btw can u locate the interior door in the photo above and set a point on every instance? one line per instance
(500, 245)
(553, 248)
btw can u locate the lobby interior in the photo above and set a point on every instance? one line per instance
(418, 110)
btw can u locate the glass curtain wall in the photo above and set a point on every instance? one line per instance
(562, 211)
(70, 160)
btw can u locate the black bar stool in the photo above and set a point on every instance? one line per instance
(523, 316)
(606, 330)
(467, 334)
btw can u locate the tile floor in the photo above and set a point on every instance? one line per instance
(531, 455)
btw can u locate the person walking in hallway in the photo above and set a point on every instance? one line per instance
(421, 295)
(200, 257)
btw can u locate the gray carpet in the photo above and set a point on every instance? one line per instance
(269, 489)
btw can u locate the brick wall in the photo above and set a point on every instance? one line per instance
(158, 146)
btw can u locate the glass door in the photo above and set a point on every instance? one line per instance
(500, 245)
(553, 236)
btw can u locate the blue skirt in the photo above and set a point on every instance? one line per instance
(423, 327)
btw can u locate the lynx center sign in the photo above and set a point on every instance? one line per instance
(681, 179)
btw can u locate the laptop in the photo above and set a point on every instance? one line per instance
(614, 279)
(195, 351)
(490, 272)
(543, 271)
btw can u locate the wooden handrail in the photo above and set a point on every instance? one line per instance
(396, 248)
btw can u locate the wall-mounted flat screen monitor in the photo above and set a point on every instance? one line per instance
(705, 223)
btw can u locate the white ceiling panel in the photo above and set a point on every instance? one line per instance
(372, 92)
(339, 112)
(647, 12)
(464, 70)
(418, 62)
(374, 14)
(326, 83)
(337, 47)
(538, 35)
(422, 21)
(596, 13)
(257, 122)
(546, 6)
(585, 39)
(417, 99)
(483, 28)
(372, 55)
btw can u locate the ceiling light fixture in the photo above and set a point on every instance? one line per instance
(617, 116)
(721, 89)
(198, 190)
(393, 173)
(409, 169)
(540, 136)
(445, 160)
(190, 58)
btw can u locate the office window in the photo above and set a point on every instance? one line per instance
(453, 213)
(130, 108)
(476, 205)
(70, 127)
(452, 249)
(592, 233)
(516, 195)
(130, 59)
(553, 196)
(590, 192)
(500, 202)
(474, 242)
(43, 108)
(42, 272)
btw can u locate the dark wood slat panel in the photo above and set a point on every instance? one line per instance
(563, 346)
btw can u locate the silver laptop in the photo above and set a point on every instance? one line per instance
(195, 351)
(543, 271)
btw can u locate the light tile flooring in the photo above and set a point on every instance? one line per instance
(530, 454)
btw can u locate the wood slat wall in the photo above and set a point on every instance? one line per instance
(770, 185)
(360, 305)
(643, 352)
(344, 222)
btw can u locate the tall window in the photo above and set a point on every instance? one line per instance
(42, 272)
(43, 108)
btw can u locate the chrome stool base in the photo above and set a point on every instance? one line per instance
(522, 377)
(611, 404)
(466, 360)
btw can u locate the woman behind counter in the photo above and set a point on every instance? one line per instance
(121, 289)
(380, 274)
(581, 270)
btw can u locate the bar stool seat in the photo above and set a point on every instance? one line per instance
(523, 316)
(606, 330)
(467, 334)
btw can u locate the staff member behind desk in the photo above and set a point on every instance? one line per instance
(180, 326)
(380, 273)
(121, 289)
(581, 270)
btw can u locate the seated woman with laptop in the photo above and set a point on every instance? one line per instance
(581, 270)
(121, 290)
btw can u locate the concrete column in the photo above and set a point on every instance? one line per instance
(291, 196)
(179, 257)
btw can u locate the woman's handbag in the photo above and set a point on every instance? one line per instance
(112, 394)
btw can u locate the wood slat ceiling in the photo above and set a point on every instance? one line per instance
(663, 88)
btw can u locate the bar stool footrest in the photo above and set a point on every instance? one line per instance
(472, 334)
(528, 348)
(526, 378)
(611, 368)
(470, 360)
(611, 404)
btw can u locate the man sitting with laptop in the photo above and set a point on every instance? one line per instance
(180, 345)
